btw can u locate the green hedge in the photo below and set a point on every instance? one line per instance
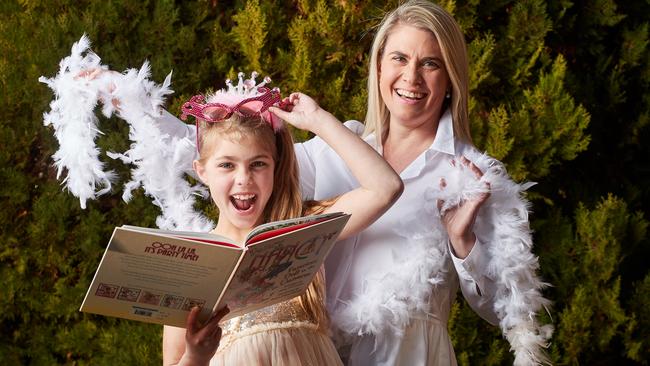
(559, 94)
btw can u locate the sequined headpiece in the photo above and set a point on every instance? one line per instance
(246, 99)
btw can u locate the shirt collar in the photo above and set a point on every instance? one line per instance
(444, 140)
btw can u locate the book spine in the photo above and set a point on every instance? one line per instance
(232, 275)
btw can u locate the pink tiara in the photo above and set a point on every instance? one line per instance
(246, 99)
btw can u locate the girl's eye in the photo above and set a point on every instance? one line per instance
(226, 165)
(258, 164)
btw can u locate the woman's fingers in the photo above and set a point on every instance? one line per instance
(443, 184)
(472, 167)
(89, 74)
(479, 174)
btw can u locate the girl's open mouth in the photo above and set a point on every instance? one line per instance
(243, 202)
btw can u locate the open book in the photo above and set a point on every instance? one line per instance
(157, 276)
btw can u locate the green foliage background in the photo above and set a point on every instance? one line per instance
(559, 94)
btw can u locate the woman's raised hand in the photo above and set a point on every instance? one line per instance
(96, 73)
(459, 220)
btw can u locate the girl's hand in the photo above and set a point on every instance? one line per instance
(459, 220)
(202, 342)
(299, 110)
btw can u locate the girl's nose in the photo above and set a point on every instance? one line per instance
(243, 177)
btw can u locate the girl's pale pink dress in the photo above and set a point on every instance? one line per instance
(293, 332)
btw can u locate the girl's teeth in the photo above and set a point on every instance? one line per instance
(243, 201)
(243, 196)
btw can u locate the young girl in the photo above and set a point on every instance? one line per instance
(249, 165)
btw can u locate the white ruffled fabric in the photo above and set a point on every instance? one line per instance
(159, 160)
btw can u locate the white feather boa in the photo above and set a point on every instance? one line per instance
(75, 126)
(159, 160)
(388, 303)
(503, 223)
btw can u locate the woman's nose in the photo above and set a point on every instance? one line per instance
(411, 73)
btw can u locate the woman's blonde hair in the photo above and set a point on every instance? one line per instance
(433, 18)
(285, 201)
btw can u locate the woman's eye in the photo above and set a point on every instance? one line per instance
(399, 58)
(431, 64)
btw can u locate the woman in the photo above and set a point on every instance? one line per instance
(417, 86)
(390, 289)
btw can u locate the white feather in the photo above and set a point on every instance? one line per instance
(158, 160)
(75, 125)
(503, 222)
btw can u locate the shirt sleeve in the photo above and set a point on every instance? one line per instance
(174, 127)
(307, 154)
(182, 140)
(477, 287)
(306, 168)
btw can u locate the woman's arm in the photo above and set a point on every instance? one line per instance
(379, 187)
(166, 122)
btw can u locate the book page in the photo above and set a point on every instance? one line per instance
(276, 228)
(158, 279)
(281, 267)
(191, 235)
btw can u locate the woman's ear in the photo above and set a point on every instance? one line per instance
(200, 171)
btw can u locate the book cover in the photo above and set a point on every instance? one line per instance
(157, 276)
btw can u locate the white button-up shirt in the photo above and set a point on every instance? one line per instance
(367, 258)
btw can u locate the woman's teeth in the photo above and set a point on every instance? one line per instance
(409, 94)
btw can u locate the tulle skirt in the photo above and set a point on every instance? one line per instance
(279, 344)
